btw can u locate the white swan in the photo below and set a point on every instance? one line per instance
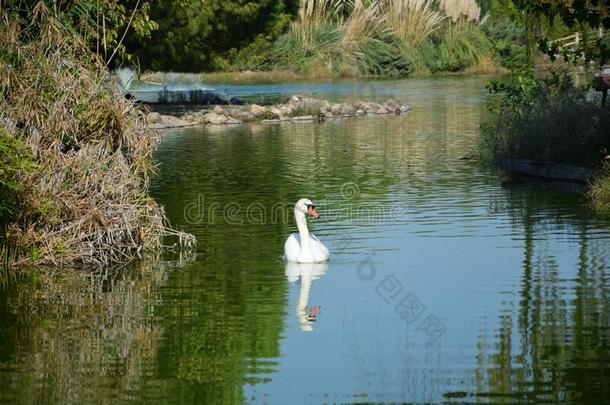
(304, 247)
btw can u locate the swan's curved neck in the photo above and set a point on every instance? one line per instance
(303, 231)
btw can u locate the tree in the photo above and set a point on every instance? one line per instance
(195, 36)
(595, 13)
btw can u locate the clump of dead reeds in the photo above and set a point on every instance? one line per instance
(86, 200)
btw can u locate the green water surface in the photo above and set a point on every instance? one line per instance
(448, 281)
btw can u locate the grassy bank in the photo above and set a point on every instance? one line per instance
(389, 38)
(550, 120)
(485, 67)
(75, 157)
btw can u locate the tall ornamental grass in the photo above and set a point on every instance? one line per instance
(412, 20)
(461, 9)
(456, 47)
(381, 37)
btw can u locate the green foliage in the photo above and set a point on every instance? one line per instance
(100, 24)
(312, 37)
(324, 54)
(599, 193)
(14, 159)
(454, 48)
(258, 55)
(320, 44)
(203, 36)
(508, 37)
(546, 119)
(592, 12)
(384, 57)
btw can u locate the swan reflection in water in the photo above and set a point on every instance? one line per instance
(308, 272)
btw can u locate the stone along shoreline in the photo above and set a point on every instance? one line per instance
(297, 109)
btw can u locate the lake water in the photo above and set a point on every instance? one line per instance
(448, 281)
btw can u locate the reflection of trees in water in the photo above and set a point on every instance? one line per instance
(556, 345)
(76, 336)
(221, 329)
(194, 334)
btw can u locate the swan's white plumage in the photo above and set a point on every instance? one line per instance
(292, 249)
(312, 250)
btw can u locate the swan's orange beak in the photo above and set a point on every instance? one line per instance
(313, 212)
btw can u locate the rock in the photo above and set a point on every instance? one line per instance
(382, 111)
(244, 116)
(327, 114)
(169, 121)
(405, 108)
(273, 121)
(392, 105)
(294, 99)
(276, 112)
(257, 109)
(190, 117)
(285, 110)
(303, 118)
(323, 104)
(233, 121)
(236, 101)
(373, 107)
(368, 107)
(360, 113)
(342, 109)
(154, 118)
(218, 110)
(308, 105)
(199, 116)
(214, 118)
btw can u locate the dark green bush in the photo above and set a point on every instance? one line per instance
(15, 157)
(384, 57)
(547, 120)
(454, 48)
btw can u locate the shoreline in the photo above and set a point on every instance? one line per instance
(290, 76)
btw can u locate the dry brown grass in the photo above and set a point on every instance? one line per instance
(86, 202)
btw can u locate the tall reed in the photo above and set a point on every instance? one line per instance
(314, 14)
(363, 23)
(458, 9)
(412, 20)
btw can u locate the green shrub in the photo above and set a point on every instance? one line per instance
(320, 52)
(388, 39)
(15, 157)
(509, 41)
(260, 55)
(599, 192)
(384, 57)
(548, 120)
(455, 47)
